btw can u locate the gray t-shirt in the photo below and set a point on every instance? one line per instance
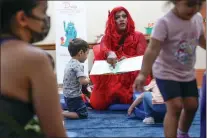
(71, 84)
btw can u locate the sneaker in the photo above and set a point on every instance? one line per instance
(149, 120)
(183, 136)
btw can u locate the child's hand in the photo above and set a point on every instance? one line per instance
(139, 83)
(87, 99)
(88, 79)
(84, 80)
(130, 110)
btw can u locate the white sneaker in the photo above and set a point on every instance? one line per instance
(149, 120)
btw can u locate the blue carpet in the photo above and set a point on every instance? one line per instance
(118, 124)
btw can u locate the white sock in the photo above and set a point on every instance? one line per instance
(180, 132)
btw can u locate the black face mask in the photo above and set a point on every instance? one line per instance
(39, 36)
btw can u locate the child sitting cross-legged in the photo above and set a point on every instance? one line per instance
(73, 80)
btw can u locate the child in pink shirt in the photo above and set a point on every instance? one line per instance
(171, 55)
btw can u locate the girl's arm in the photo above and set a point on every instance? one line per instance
(150, 55)
(135, 103)
(159, 35)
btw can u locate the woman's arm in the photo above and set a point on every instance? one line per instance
(45, 94)
(107, 54)
(104, 51)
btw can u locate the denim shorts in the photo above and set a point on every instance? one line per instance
(77, 105)
(173, 89)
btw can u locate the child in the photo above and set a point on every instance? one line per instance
(74, 78)
(171, 52)
(152, 101)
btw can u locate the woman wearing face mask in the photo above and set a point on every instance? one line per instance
(27, 76)
(120, 41)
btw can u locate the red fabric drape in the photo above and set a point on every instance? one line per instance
(109, 89)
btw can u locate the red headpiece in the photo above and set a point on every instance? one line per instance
(112, 37)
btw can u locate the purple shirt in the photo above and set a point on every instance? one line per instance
(179, 39)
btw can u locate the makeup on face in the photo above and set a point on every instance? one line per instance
(121, 20)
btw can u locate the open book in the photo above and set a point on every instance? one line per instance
(127, 65)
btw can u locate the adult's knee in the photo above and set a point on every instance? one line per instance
(98, 100)
(98, 104)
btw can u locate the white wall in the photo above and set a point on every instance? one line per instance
(143, 12)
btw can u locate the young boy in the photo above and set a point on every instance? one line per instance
(74, 78)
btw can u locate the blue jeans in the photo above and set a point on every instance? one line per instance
(153, 110)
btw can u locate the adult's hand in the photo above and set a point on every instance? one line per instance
(112, 61)
(122, 58)
(112, 58)
(139, 83)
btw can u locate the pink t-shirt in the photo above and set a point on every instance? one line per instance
(179, 39)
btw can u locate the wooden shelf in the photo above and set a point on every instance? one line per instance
(47, 46)
(53, 47)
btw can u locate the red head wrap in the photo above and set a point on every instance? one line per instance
(112, 37)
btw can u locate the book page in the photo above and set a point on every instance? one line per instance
(101, 67)
(130, 64)
(126, 65)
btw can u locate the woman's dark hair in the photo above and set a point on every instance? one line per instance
(77, 45)
(10, 7)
